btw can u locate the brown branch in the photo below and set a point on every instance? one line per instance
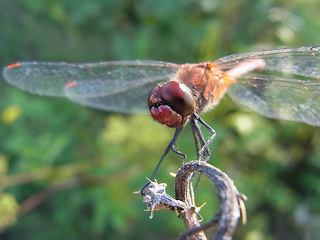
(231, 200)
(155, 196)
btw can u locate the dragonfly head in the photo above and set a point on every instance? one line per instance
(171, 103)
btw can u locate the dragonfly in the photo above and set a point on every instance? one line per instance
(279, 83)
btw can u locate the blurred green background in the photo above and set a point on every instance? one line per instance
(68, 171)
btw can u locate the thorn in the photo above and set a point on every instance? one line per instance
(201, 206)
(242, 207)
(192, 194)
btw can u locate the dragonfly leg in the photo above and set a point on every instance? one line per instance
(198, 136)
(172, 147)
(204, 150)
(202, 145)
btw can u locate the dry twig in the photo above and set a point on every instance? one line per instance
(232, 202)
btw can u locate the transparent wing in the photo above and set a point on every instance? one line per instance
(118, 86)
(287, 88)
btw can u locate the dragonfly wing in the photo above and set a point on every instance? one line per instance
(133, 100)
(99, 85)
(287, 88)
(303, 61)
(280, 99)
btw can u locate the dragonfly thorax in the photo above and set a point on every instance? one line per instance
(206, 83)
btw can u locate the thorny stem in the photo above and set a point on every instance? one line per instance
(231, 200)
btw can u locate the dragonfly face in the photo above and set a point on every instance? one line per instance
(171, 103)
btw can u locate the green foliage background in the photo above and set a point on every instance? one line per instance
(71, 170)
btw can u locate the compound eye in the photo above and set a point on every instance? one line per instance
(179, 97)
(154, 96)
